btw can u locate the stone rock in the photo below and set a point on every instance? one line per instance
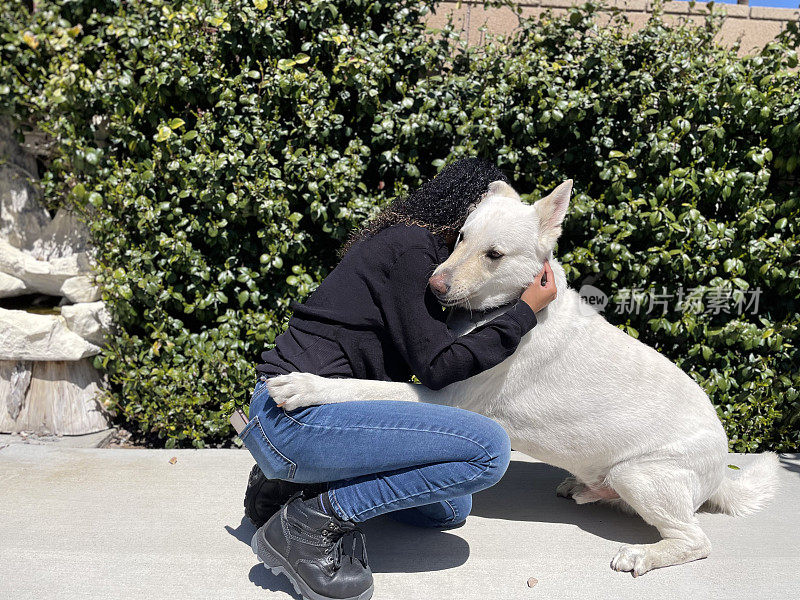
(42, 276)
(21, 216)
(80, 289)
(61, 398)
(19, 381)
(11, 286)
(38, 143)
(90, 320)
(37, 254)
(65, 235)
(27, 336)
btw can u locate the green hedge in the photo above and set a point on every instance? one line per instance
(222, 150)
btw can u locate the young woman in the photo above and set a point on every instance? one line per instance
(374, 317)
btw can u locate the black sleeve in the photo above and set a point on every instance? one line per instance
(417, 326)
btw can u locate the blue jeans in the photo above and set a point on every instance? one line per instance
(420, 462)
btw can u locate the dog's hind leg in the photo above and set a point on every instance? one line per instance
(569, 487)
(583, 493)
(664, 497)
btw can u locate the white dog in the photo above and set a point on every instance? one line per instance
(578, 393)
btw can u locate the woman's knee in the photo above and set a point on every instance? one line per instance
(496, 451)
(260, 436)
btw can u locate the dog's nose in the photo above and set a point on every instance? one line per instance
(440, 284)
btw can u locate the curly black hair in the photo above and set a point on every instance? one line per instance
(441, 204)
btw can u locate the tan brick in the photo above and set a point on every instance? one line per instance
(758, 34)
(496, 20)
(560, 3)
(531, 11)
(480, 4)
(701, 8)
(736, 11)
(638, 20)
(631, 5)
(443, 11)
(774, 14)
(676, 7)
(754, 33)
(628, 5)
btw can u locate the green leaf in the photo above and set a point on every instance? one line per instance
(164, 133)
(79, 191)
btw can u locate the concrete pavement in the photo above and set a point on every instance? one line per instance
(117, 524)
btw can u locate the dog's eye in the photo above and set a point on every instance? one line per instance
(494, 254)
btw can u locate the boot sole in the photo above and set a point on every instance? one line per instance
(279, 566)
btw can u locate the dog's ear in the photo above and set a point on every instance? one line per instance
(501, 188)
(551, 211)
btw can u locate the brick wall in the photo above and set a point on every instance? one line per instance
(755, 26)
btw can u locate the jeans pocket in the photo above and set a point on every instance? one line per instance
(274, 464)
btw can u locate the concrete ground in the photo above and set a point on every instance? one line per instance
(117, 524)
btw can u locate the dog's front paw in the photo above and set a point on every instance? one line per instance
(295, 390)
(635, 559)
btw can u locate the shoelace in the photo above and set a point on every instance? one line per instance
(338, 546)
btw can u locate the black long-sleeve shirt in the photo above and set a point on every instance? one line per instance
(374, 317)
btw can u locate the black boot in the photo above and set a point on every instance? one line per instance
(264, 497)
(305, 544)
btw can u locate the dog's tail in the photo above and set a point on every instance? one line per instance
(751, 491)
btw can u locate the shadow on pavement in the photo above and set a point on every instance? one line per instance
(263, 578)
(790, 462)
(392, 548)
(244, 532)
(259, 574)
(527, 492)
(398, 548)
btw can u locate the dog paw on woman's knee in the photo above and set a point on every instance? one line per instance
(294, 390)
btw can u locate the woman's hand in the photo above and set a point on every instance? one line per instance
(541, 293)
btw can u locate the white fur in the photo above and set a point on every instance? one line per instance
(578, 393)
